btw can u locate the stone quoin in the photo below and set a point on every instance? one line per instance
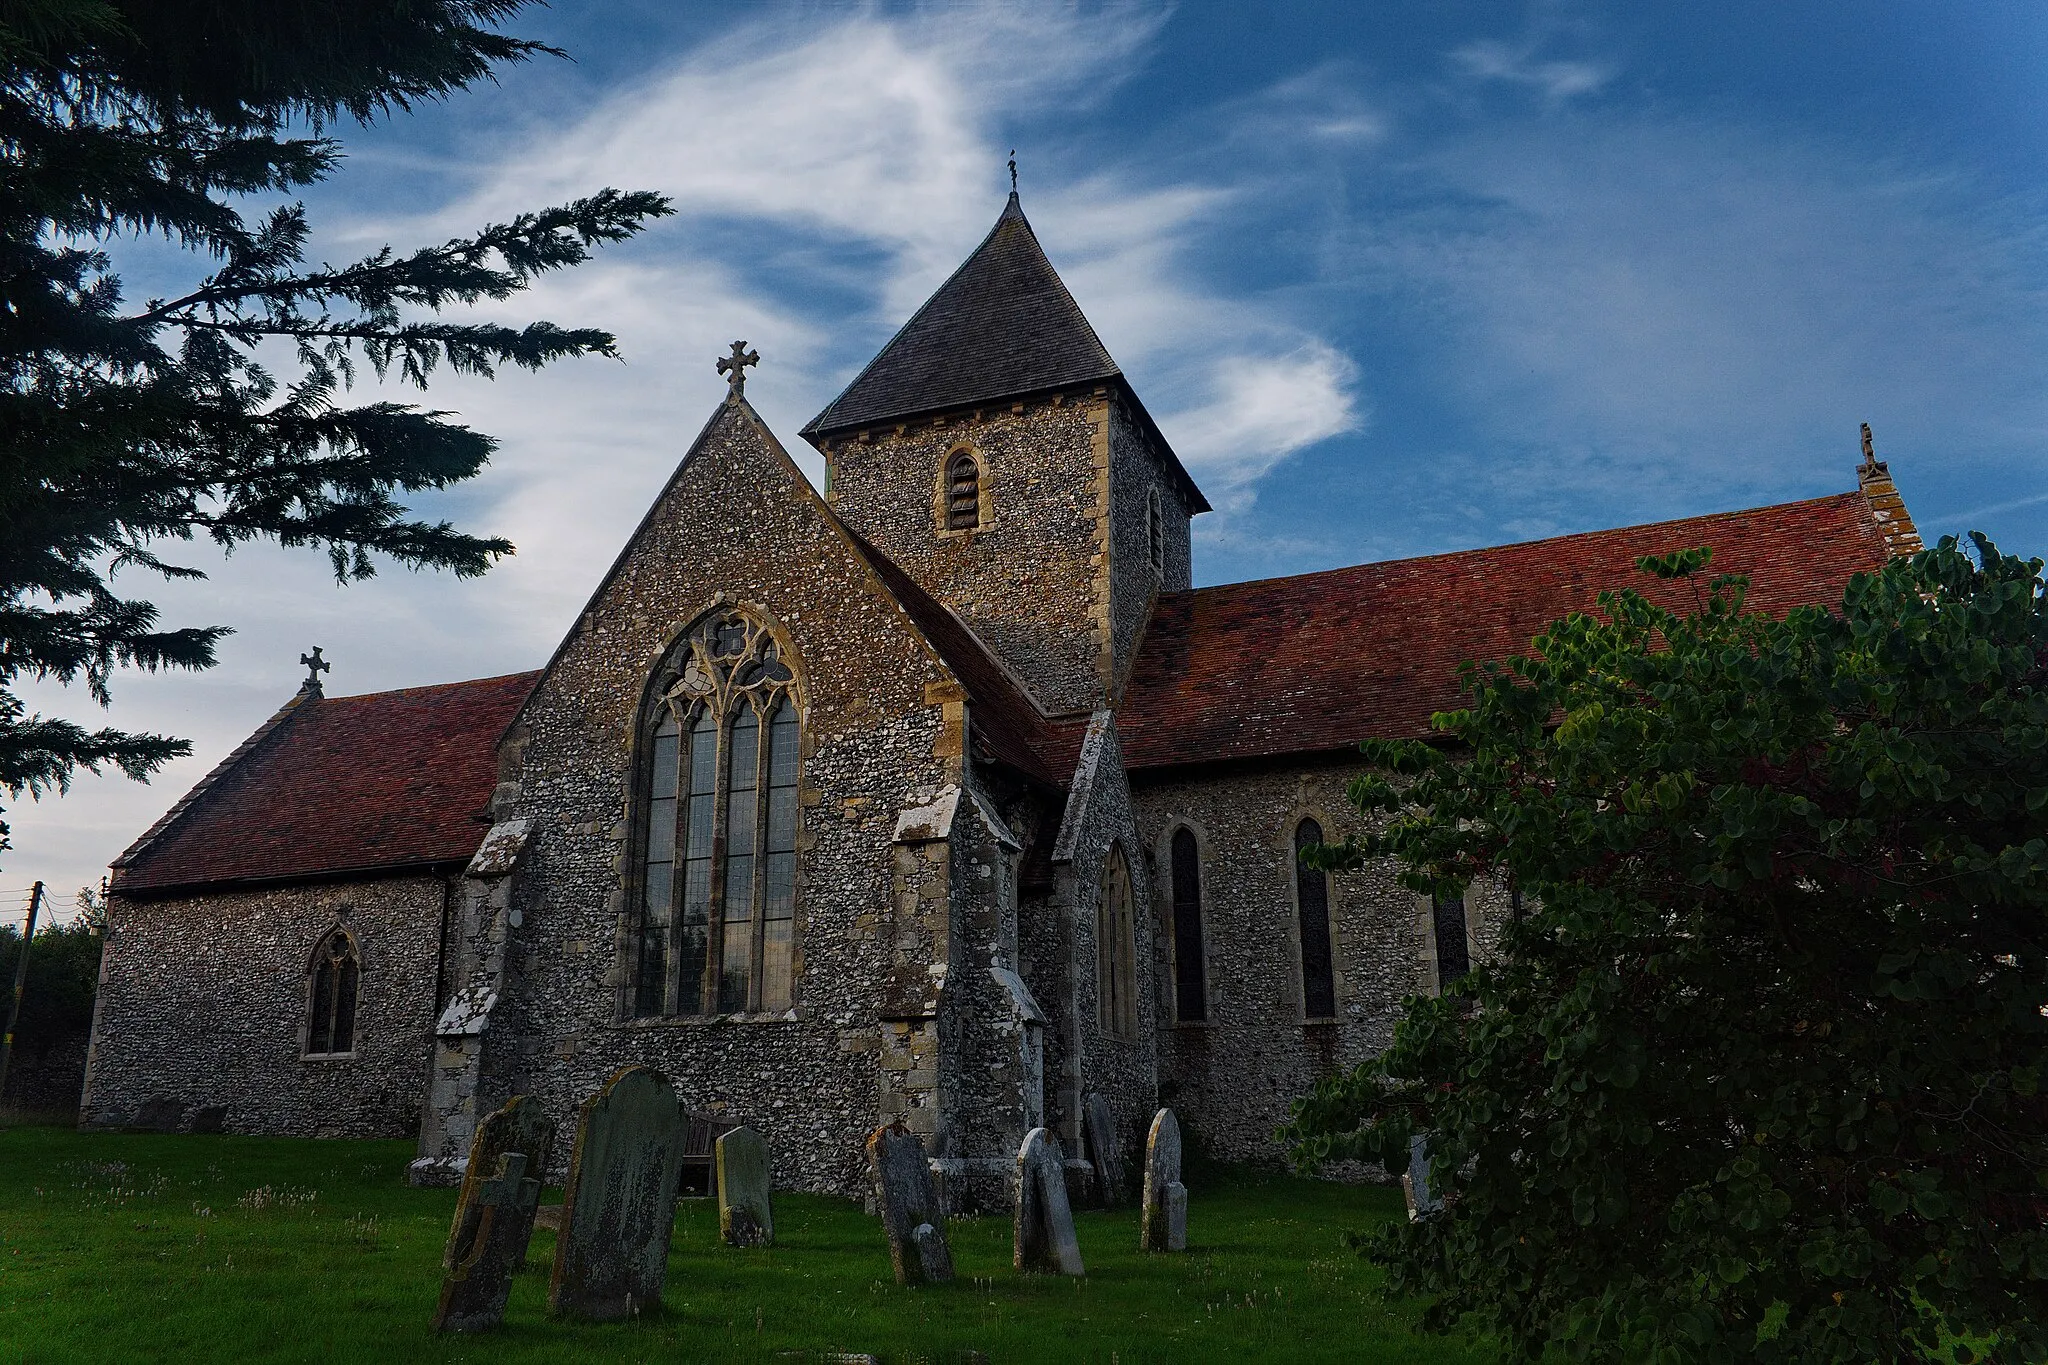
(938, 801)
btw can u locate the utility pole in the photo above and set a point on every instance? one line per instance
(35, 903)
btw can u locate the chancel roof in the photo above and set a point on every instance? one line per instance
(1319, 661)
(1002, 326)
(339, 785)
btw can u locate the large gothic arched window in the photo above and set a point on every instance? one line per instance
(331, 997)
(718, 825)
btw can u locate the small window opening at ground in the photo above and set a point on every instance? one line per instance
(331, 1022)
(963, 493)
(1312, 899)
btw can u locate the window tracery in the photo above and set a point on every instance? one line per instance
(1312, 903)
(331, 997)
(718, 846)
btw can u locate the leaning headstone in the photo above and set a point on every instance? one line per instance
(745, 1175)
(1098, 1130)
(160, 1114)
(912, 1216)
(1044, 1221)
(619, 1207)
(1164, 1226)
(494, 1216)
(1415, 1185)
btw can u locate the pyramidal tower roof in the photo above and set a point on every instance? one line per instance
(1002, 326)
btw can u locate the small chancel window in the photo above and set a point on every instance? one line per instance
(331, 1012)
(1190, 998)
(1312, 901)
(963, 492)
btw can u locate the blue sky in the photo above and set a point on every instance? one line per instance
(1395, 278)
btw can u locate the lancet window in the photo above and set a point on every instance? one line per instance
(1116, 950)
(1190, 988)
(331, 996)
(1453, 957)
(1312, 902)
(718, 826)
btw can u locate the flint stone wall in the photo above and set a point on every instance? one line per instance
(1137, 469)
(1232, 1077)
(737, 525)
(204, 999)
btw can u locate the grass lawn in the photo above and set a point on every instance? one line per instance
(143, 1247)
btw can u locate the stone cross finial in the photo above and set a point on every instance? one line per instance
(1869, 450)
(315, 666)
(1013, 170)
(734, 368)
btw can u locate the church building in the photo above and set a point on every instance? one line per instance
(940, 796)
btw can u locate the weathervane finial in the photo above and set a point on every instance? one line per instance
(315, 666)
(734, 368)
(1013, 170)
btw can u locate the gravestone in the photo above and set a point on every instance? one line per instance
(1044, 1221)
(619, 1206)
(1415, 1185)
(211, 1118)
(160, 1114)
(1098, 1131)
(912, 1216)
(1164, 1226)
(494, 1216)
(745, 1177)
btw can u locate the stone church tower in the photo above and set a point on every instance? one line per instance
(941, 797)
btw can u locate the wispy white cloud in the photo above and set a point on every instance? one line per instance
(1264, 408)
(1555, 79)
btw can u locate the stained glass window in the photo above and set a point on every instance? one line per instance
(1190, 996)
(719, 829)
(331, 1011)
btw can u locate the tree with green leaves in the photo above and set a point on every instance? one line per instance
(1758, 1074)
(221, 412)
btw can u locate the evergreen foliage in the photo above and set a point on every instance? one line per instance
(63, 977)
(1758, 1075)
(126, 428)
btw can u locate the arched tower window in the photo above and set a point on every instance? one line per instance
(1155, 533)
(1312, 902)
(1116, 950)
(963, 491)
(718, 835)
(1190, 988)
(331, 997)
(1453, 957)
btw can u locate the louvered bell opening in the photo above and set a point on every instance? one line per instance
(963, 495)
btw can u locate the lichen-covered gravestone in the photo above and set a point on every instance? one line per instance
(501, 1186)
(1098, 1130)
(745, 1177)
(1044, 1221)
(911, 1214)
(1164, 1226)
(619, 1206)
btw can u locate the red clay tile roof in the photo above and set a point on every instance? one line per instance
(1320, 661)
(335, 785)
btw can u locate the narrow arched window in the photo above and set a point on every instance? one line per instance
(963, 492)
(1155, 533)
(1453, 957)
(1190, 994)
(1312, 903)
(331, 1008)
(1116, 950)
(718, 837)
